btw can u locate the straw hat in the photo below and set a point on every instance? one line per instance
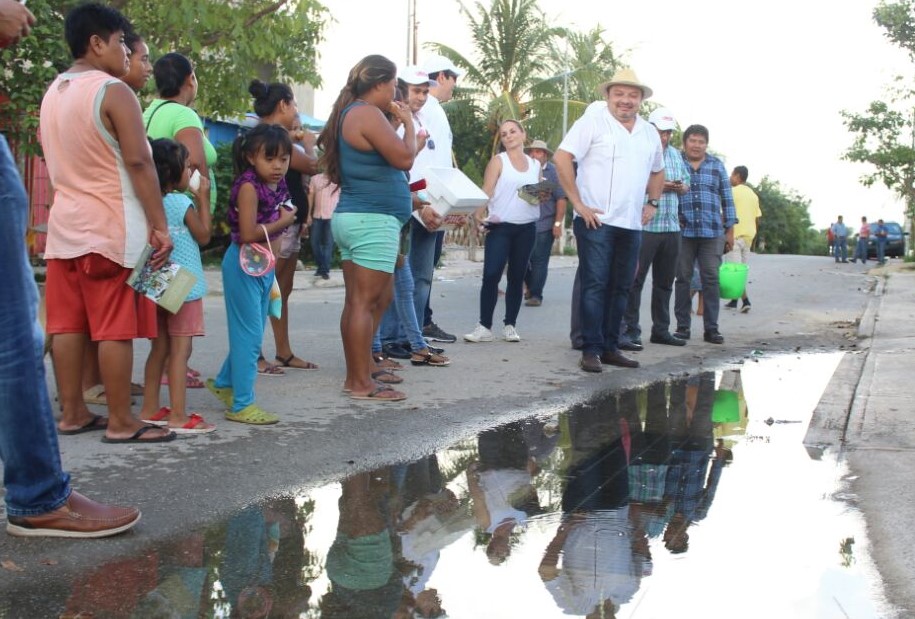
(625, 77)
(538, 144)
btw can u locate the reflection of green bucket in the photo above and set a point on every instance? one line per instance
(732, 279)
(725, 409)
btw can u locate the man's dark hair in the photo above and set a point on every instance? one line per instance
(86, 20)
(742, 172)
(695, 130)
(434, 76)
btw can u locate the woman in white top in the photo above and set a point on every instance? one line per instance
(511, 226)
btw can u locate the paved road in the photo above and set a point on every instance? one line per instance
(799, 304)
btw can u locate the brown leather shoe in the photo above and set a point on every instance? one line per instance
(618, 359)
(590, 363)
(78, 517)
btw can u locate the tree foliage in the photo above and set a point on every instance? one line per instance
(230, 43)
(785, 227)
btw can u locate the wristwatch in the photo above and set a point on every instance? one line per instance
(653, 203)
(557, 224)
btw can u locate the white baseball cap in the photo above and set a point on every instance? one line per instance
(414, 76)
(663, 119)
(435, 64)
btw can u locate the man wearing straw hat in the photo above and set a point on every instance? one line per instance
(549, 226)
(707, 222)
(619, 160)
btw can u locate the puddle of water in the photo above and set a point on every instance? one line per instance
(686, 498)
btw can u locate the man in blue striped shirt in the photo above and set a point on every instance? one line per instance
(707, 218)
(660, 247)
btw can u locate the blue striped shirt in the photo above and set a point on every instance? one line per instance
(667, 219)
(709, 200)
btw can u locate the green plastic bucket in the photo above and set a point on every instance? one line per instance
(732, 279)
(725, 409)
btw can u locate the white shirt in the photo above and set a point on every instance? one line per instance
(614, 165)
(505, 205)
(433, 119)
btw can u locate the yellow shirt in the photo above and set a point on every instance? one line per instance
(746, 203)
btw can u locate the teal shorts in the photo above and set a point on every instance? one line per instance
(370, 240)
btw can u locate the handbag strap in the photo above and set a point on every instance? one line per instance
(156, 110)
(267, 237)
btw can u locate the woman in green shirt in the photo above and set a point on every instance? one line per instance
(171, 115)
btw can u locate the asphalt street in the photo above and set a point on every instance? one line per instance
(800, 305)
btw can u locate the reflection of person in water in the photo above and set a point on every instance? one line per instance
(690, 485)
(246, 570)
(501, 488)
(599, 572)
(360, 562)
(429, 517)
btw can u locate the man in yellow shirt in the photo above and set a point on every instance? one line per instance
(746, 203)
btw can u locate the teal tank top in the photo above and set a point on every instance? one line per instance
(368, 183)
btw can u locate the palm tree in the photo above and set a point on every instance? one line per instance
(512, 45)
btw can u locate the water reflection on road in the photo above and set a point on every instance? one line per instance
(689, 497)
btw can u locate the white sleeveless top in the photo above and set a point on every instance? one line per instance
(505, 205)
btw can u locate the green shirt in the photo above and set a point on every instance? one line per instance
(164, 119)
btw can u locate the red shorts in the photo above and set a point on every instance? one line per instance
(188, 322)
(89, 294)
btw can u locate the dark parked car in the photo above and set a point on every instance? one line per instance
(895, 241)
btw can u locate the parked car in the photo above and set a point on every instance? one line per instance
(895, 241)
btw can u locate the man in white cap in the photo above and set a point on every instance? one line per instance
(660, 247)
(549, 226)
(426, 241)
(619, 155)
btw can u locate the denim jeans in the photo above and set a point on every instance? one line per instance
(509, 244)
(659, 253)
(607, 259)
(881, 249)
(535, 278)
(399, 320)
(322, 245)
(860, 249)
(840, 249)
(32, 474)
(708, 252)
(422, 263)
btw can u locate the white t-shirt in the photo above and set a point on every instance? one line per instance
(437, 153)
(614, 165)
(505, 205)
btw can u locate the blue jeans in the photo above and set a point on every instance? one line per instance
(607, 259)
(322, 245)
(861, 250)
(540, 262)
(32, 474)
(422, 264)
(881, 249)
(840, 249)
(509, 244)
(400, 317)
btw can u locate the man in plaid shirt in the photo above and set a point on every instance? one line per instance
(660, 247)
(707, 218)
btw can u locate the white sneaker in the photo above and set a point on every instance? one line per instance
(509, 333)
(480, 334)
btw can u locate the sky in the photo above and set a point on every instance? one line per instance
(768, 79)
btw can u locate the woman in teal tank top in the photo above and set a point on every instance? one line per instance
(368, 161)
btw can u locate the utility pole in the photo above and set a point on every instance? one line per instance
(412, 32)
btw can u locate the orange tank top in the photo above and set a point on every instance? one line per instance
(95, 208)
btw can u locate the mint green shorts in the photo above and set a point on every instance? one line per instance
(370, 240)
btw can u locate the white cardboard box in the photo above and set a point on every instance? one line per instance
(452, 192)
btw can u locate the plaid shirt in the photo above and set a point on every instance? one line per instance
(667, 219)
(708, 202)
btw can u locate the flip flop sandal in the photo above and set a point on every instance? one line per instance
(430, 358)
(383, 362)
(96, 394)
(254, 415)
(96, 423)
(136, 389)
(191, 381)
(195, 425)
(271, 370)
(387, 377)
(160, 418)
(193, 372)
(135, 438)
(285, 364)
(378, 395)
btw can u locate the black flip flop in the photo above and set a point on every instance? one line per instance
(136, 437)
(90, 426)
